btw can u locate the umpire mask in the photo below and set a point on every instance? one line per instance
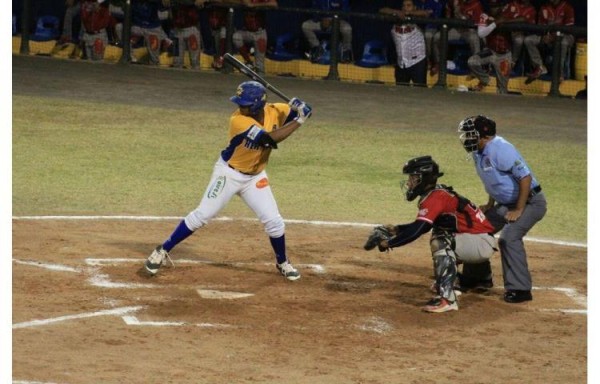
(473, 128)
(422, 173)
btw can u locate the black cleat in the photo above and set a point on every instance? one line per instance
(517, 296)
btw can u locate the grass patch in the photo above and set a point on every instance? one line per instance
(75, 157)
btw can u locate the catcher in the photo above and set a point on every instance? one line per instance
(460, 231)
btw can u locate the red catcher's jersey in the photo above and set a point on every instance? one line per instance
(439, 208)
(562, 14)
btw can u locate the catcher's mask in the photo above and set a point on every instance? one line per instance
(250, 94)
(423, 174)
(473, 128)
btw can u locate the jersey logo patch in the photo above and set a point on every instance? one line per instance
(423, 212)
(252, 136)
(253, 132)
(216, 188)
(262, 183)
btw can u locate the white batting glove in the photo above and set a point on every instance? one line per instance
(295, 103)
(303, 110)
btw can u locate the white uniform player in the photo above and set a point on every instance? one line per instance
(254, 131)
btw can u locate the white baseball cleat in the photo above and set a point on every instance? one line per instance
(156, 259)
(288, 271)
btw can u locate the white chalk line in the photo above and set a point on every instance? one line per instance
(317, 268)
(227, 295)
(31, 382)
(107, 312)
(289, 221)
(103, 280)
(52, 267)
(132, 320)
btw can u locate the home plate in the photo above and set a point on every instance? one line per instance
(212, 294)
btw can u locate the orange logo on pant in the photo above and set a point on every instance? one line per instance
(264, 182)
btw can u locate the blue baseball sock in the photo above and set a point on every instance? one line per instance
(179, 234)
(278, 244)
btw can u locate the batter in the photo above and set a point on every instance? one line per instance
(255, 128)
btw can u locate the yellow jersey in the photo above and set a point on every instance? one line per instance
(243, 152)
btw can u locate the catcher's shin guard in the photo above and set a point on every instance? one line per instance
(442, 240)
(444, 262)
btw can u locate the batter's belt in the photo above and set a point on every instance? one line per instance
(243, 173)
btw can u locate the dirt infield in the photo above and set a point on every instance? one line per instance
(84, 313)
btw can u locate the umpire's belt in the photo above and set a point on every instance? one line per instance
(535, 191)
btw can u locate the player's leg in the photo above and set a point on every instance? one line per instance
(100, 42)
(444, 263)
(346, 34)
(309, 29)
(218, 35)
(419, 73)
(88, 44)
(565, 46)
(435, 53)
(152, 41)
(136, 36)
(259, 197)
(194, 46)
(180, 37)
(518, 41)
(223, 185)
(471, 37)
(476, 63)
(517, 277)
(259, 39)
(242, 41)
(475, 252)
(502, 65)
(532, 43)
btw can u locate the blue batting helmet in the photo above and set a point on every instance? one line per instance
(250, 94)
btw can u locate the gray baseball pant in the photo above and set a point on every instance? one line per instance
(512, 250)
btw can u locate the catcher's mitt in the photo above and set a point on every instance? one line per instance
(379, 234)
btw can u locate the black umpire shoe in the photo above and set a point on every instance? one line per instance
(517, 296)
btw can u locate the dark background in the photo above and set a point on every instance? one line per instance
(280, 22)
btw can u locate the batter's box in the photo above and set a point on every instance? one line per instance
(557, 299)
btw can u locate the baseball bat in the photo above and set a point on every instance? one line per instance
(253, 75)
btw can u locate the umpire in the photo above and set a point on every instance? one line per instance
(516, 201)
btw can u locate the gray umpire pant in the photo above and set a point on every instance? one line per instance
(512, 250)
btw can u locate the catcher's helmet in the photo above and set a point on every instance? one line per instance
(473, 128)
(250, 94)
(427, 171)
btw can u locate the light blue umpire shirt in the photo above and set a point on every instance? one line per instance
(500, 166)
